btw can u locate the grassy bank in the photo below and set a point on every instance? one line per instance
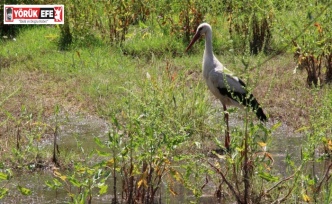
(88, 79)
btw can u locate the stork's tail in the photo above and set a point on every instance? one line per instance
(242, 99)
(260, 114)
(257, 109)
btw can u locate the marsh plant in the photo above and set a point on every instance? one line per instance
(249, 25)
(313, 48)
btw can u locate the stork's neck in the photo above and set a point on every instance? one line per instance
(208, 61)
(208, 53)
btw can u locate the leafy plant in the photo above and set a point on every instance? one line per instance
(81, 182)
(313, 49)
(313, 182)
(4, 190)
(250, 25)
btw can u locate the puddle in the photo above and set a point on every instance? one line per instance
(76, 133)
(81, 130)
(34, 181)
(288, 143)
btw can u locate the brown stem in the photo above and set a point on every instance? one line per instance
(18, 138)
(277, 184)
(228, 184)
(327, 172)
(227, 137)
(246, 164)
(115, 199)
(55, 147)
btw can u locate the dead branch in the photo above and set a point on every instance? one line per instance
(226, 181)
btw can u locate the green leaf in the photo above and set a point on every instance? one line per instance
(99, 142)
(268, 177)
(54, 185)
(50, 184)
(102, 188)
(302, 129)
(142, 25)
(115, 121)
(275, 126)
(74, 182)
(24, 191)
(3, 192)
(3, 176)
(100, 153)
(125, 151)
(57, 182)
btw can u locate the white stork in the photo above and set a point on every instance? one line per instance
(229, 89)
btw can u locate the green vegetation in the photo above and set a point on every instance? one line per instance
(123, 62)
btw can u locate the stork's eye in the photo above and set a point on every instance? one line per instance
(200, 29)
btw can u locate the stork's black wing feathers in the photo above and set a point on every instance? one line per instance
(244, 100)
(242, 83)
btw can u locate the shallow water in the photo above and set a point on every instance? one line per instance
(77, 133)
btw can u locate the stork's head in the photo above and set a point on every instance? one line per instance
(202, 29)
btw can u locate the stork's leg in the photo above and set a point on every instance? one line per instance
(227, 137)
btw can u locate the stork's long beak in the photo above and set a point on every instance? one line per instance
(195, 38)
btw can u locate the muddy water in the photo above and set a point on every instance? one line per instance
(285, 142)
(77, 133)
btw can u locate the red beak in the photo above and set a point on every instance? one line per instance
(195, 38)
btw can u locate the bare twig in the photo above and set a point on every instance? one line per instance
(206, 182)
(18, 138)
(274, 186)
(228, 184)
(277, 184)
(115, 199)
(246, 162)
(55, 146)
(284, 198)
(325, 176)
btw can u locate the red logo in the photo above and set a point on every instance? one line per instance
(58, 14)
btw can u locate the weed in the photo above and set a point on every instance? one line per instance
(313, 52)
(250, 22)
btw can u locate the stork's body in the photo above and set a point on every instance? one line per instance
(229, 89)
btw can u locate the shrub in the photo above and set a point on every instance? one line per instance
(313, 48)
(250, 25)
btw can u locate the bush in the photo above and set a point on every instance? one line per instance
(313, 48)
(250, 25)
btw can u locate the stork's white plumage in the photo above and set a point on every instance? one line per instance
(229, 89)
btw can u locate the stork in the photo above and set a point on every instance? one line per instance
(229, 89)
